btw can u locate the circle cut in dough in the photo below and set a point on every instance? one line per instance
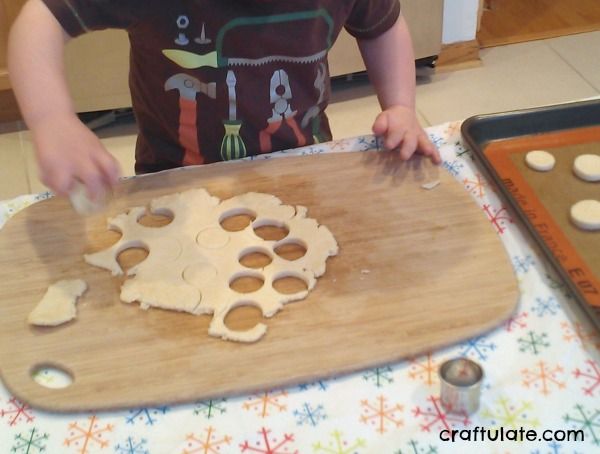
(586, 214)
(540, 160)
(198, 274)
(212, 238)
(587, 167)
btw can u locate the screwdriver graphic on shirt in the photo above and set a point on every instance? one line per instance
(233, 146)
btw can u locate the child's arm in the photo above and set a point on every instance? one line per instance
(66, 149)
(391, 66)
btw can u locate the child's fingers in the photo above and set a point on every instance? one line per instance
(109, 167)
(58, 180)
(428, 149)
(380, 125)
(91, 176)
(408, 146)
(394, 138)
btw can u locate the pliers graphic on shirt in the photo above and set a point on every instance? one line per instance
(281, 94)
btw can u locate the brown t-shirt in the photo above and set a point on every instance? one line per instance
(214, 80)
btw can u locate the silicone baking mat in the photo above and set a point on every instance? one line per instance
(543, 199)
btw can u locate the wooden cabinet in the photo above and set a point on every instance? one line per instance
(97, 63)
(8, 11)
(424, 18)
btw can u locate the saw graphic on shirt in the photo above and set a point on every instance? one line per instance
(238, 49)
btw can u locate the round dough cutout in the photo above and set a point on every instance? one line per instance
(540, 160)
(212, 238)
(199, 274)
(587, 167)
(586, 214)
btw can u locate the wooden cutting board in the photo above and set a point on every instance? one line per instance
(417, 269)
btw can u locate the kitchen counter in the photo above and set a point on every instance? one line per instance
(542, 372)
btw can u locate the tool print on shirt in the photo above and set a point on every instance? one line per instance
(312, 114)
(188, 88)
(217, 58)
(281, 95)
(268, 63)
(233, 146)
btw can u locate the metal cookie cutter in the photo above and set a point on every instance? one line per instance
(460, 380)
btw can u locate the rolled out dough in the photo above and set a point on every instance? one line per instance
(58, 304)
(193, 260)
(587, 167)
(540, 160)
(586, 214)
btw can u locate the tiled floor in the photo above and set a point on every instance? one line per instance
(511, 77)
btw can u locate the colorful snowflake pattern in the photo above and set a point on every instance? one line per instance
(516, 321)
(16, 412)
(588, 420)
(320, 385)
(461, 151)
(508, 415)
(476, 186)
(424, 369)
(414, 447)
(545, 306)
(543, 377)
(523, 264)
(270, 444)
(338, 445)
(590, 375)
(86, 436)
(263, 403)
(379, 376)
(477, 347)
(437, 418)
(149, 416)
(210, 408)
(32, 442)
(454, 167)
(309, 415)
(207, 443)
(132, 446)
(380, 414)
(533, 343)
(499, 217)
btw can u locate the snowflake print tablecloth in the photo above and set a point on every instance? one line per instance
(542, 372)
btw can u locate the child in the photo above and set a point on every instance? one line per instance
(210, 80)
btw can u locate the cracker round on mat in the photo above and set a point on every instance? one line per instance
(586, 214)
(540, 160)
(587, 167)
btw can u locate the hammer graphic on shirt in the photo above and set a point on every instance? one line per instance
(188, 88)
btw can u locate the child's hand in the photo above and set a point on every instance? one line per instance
(68, 152)
(399, 127)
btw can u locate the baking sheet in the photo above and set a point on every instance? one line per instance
(543, 199)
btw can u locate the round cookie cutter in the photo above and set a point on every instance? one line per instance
(460, 380)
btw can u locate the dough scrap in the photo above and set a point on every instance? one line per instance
(58, 304)
(193, 260)
(431, 185)
(586, 214)
(587, 167)
(540, 160)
